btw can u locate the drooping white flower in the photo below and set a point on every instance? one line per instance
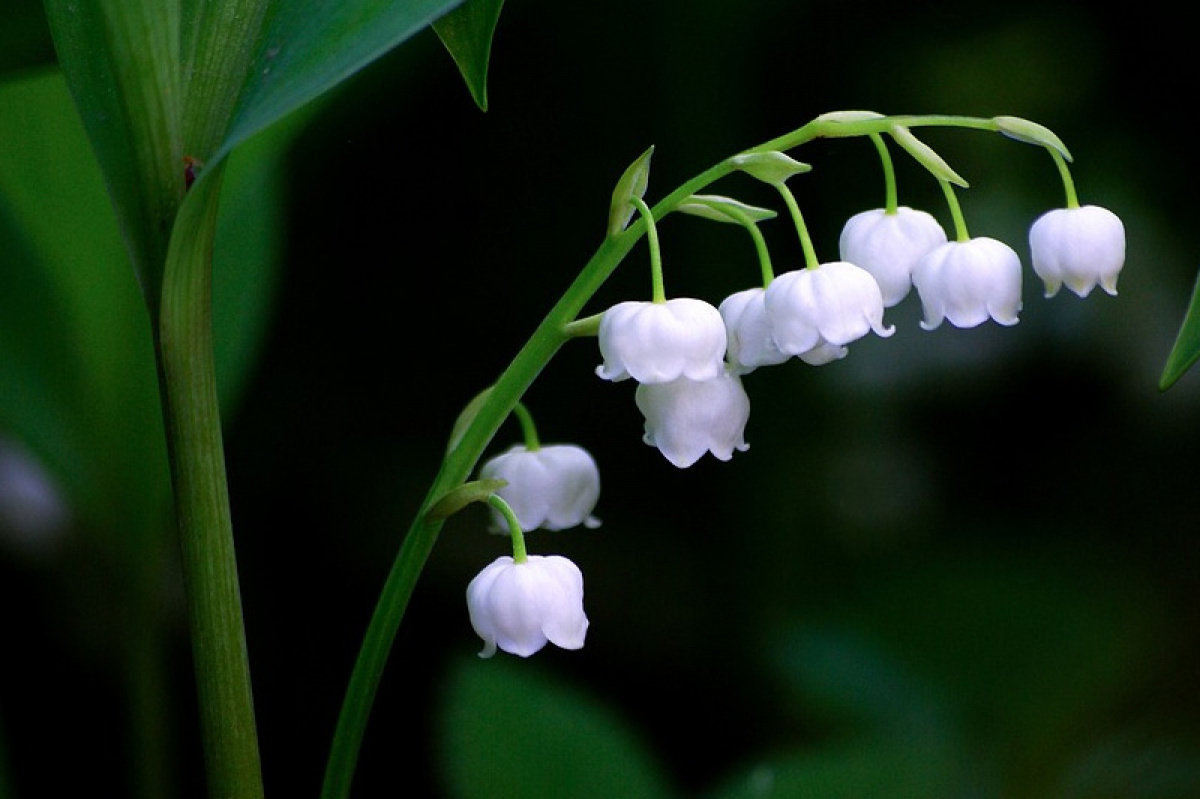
(888, 245)
(656, 342)
(750, 344)
(820, 310)
(553, 487)
(1081, 247)
(519, 607)
(687, 418)
(968, 282)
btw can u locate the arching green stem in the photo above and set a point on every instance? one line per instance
(514, 527)
(656, 276)
(810, 254)
(528, 428)
(1065, 172)
(960, 224)
(889, 173)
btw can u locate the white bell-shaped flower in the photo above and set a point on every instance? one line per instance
(519, 607)
(968, 282)
(750, 344)
(687, 418)
(888, 245)
(656, 342)
(553, 487)
(820, 310)
(1081, 247)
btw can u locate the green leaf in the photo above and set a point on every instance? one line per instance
(633, 183)
(467, 32)
(307, 47)
(125, 62)
(1186, 349)
(509, 728)
(248, 252)
(76, 358)
(121, 59)
(864, 768)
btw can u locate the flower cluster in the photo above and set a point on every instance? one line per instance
(521, 603)
(689, 357)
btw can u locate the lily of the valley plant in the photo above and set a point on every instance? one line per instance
(167, 90)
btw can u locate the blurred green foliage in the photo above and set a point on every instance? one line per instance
(955, 563)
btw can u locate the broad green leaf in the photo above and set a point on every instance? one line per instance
(1186, 349)
(508, 728)
(80, 387)
(864, 768)
(467, 32)
(1028, 648)
(121, 60)
(248, 252)
(125, 61)
(307, 47)
(844, 680)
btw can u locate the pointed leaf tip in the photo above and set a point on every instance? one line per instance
(1186, 349)
(632, 184)
(467, 33)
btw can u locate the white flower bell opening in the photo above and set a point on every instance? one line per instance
(968, 282)
(750, 344)
(1080, 247)
(554, 487)
(823, 309)
(889, 245)
(656, 342)
(687, 418)
(520, 607)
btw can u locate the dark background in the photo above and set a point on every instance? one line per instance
(1010, 514)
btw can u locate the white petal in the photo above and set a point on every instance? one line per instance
(888, 245)
(748, 332)
(519, 607)
(687, 418)
(1081, 247)
(554, 487)
(968, 283)
(655, 342)
(834, 303)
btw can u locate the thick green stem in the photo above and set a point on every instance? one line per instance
(193, 425)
